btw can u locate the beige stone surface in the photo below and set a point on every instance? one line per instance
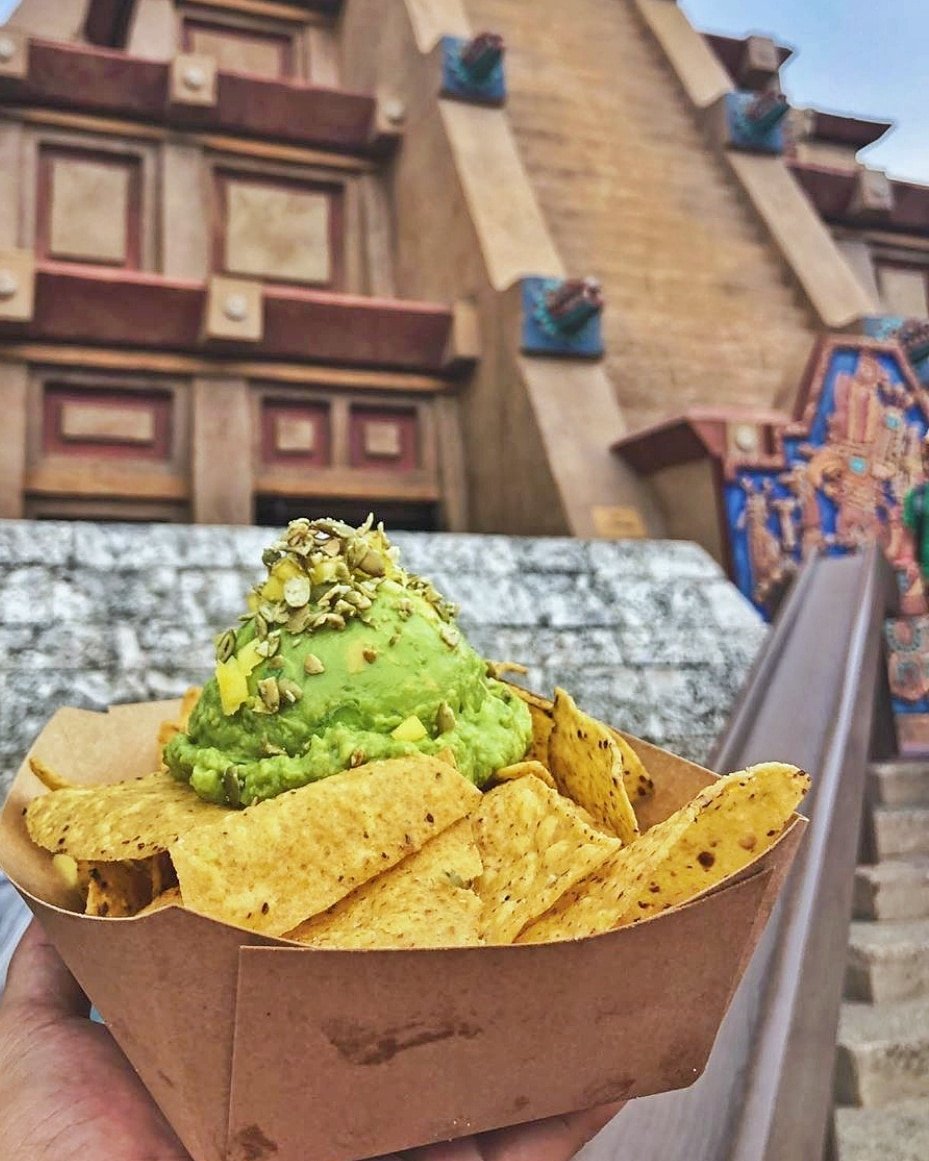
(903, 291)
(240, 52)
(11, 150)
(17, 285)
(277, 232)
(800, 234)
(99, 421)
(701, 72)
(294, 434)
(698, 307)
(50, 19)
(89, 210)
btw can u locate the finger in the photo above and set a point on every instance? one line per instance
(555, 1139)
(38, 980)
(463, 1150)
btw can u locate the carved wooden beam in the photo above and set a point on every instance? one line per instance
(97, 80)
(116, 308)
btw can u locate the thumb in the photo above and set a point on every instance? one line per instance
(555, 1139)
(39, 981)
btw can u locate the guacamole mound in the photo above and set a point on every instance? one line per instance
(344, 658)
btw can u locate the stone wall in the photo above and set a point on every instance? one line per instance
(699, 312)
(647, 634)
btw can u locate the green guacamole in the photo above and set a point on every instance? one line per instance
(386, 675)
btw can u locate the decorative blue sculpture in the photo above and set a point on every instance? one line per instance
(756, 121)
(472, 70)
(562, 317)
(911, 333)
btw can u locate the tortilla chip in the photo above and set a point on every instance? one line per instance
(278, 862)
(118, 889)
(49, 778)
(540, 710)
(167, 730)
(499, 669)
(524, 769)
(588, 767)
(163, 875)
(636, 779)
(725, 827)
(169, 898)
(534, 847)
(124, 820)
(425, 901)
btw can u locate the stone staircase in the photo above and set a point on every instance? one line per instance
(882, 1066)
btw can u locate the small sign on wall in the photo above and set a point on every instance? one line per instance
(614, 522)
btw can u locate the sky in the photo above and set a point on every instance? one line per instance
(854, 56)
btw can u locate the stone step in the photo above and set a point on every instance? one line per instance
(896, 889)
(899, 1132)
(888, 961)
(883, 1053)
(899, 783)
(900, 830)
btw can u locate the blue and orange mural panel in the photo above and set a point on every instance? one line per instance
(841, 481)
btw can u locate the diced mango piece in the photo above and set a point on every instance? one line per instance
(233, 688)
(324, 572)
(286, 570)
(273, 589)
(355, 661)
(248, 657)
(283, 571)
(411, 729)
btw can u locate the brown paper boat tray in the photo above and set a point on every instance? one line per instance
(256, 1048)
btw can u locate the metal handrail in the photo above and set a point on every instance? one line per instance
(816, 697)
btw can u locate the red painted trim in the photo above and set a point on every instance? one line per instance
(832, 190)
(159, 404)
(333, 328)
(406, 420)
(842, 130)
(78, 77)
(697, 434)
(122, 308)
(48, 155)
(316, 413)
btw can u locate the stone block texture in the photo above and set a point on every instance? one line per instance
(699, 306)
(647, 634)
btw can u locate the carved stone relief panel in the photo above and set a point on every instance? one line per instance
(88, 207)
(281, 231)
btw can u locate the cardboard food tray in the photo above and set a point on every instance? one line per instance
(256, 1047)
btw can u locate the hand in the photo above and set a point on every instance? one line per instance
(67, 1093)
(555, 1139)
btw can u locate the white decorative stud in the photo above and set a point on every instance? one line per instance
(7, 49)
(9, 284)
(745, 437)
(17, 285)
(194, 77)
(394, 111)
(235, 307)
